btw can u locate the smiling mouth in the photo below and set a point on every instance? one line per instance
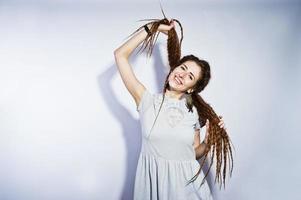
(178, 80)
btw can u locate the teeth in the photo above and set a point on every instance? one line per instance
(178, 81)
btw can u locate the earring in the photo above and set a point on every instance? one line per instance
(188, 98)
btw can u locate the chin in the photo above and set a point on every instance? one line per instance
(175, 87)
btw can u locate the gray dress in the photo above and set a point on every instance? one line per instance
(167, 158)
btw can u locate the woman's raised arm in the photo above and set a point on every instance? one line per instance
(122, 55)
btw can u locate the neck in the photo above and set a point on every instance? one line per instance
(174, 94)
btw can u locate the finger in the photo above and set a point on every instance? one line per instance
(221, 123)
(166, 27)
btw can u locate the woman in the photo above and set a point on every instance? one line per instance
(171, 121)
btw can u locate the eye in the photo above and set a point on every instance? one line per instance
(190, 77)
(182, 67)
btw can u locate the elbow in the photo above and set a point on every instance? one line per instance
(118, 54)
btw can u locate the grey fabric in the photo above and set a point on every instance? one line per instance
(167, 159)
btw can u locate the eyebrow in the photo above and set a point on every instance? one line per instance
(190, 72)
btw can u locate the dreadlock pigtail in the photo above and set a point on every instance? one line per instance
(218, 141)
(174, 46)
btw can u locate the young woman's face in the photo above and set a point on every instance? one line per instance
(184, 76)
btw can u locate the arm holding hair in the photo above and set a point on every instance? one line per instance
(121, 55)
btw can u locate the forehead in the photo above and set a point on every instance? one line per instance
(194, 68)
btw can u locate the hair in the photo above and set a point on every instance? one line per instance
(218, 143)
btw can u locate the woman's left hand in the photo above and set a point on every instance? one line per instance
(221, 125)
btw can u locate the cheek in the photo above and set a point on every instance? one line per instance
(169, 78)
(172, 74)
(191, 83)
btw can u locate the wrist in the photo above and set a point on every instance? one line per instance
(147, 29)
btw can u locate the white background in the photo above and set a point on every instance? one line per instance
(70, 130)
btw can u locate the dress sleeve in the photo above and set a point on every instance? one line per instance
(145, 102)
(197, 125)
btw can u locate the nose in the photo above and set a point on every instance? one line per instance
(183, 74)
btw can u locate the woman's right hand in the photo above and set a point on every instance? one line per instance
(165, 28)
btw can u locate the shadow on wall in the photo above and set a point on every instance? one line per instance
(130, 126)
